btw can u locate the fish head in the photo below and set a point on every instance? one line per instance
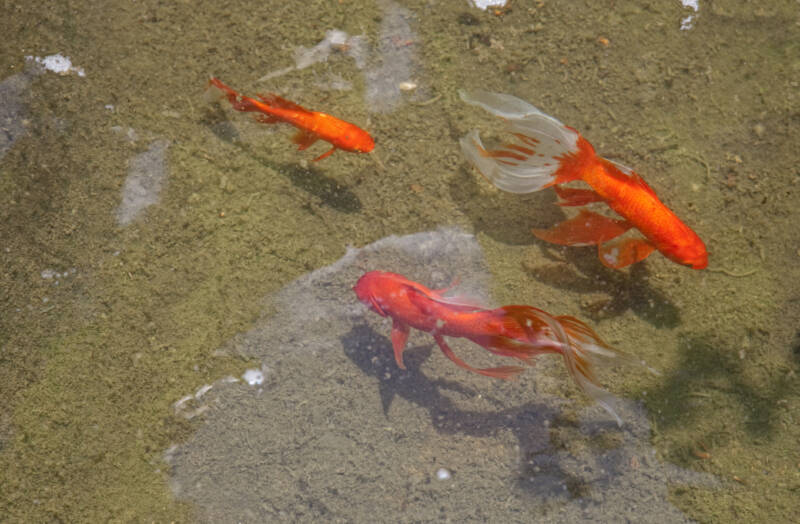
(353, 138)
(368, 289)
(691, 252)
(698, 260)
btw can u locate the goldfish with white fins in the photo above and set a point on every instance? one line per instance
(551, 153)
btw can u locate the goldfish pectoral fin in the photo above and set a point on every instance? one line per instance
(569, 196)
(503, 372)
(326, 154)
(304, 139)
(399, 339)
(585, 229)
(623, 252)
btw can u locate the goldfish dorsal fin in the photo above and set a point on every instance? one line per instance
(422, 300)
(548, 151)
(456, 302)
(622, 167)
(274, 100)
(528, 318)
(630, 176)
(639, 181)
(447, 288)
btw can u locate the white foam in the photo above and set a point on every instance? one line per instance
(485, 4)
(58, 64)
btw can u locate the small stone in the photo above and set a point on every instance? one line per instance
(407, 85)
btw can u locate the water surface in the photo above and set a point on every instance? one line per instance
(154, 243)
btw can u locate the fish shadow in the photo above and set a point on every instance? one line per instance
(541, 472)
(310, 179)
(711, 392)
(502, 216)
(608, 292)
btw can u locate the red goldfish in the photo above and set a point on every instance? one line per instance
(550, 153)
(312, 125)
(520, 332)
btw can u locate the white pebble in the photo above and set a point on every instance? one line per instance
(443, 474)
(254, 377)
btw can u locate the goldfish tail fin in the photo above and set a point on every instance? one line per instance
(582, 353)
(548, 151)
(273, 100)
(217, 88)
(239, 101)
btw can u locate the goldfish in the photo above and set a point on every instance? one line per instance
(549, 153)
(311, 125)
(518, 332)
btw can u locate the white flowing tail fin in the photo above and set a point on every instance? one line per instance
(545, 154)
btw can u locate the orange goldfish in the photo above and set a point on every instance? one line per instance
(551, 153)
(520, 332)
(312, 125)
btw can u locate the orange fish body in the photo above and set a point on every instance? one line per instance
(551, 153)
(519, 332)
(312, 125)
